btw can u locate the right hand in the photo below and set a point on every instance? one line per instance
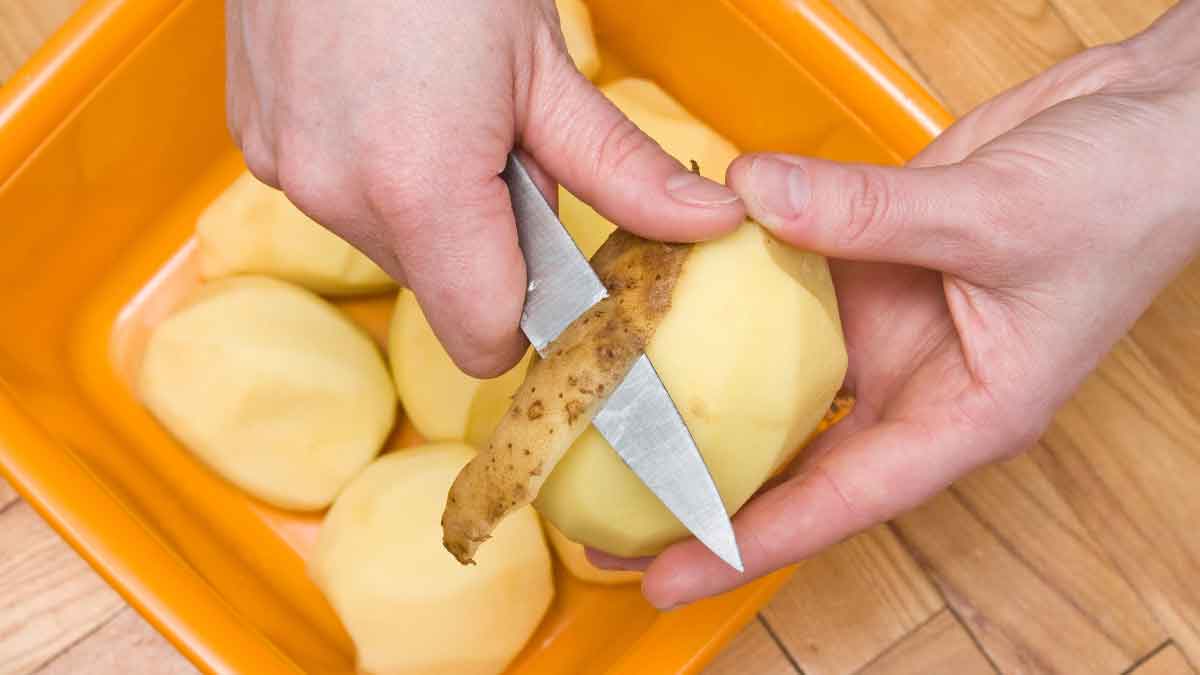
(389, 122)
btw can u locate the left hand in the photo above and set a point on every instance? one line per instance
(978, 286)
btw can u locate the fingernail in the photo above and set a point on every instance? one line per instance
(696, 190)
(780, 189)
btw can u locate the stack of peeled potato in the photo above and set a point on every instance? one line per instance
(275, 389)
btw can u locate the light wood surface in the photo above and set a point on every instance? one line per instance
(1080, 557)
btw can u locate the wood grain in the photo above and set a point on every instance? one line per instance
(123, 644)
(51, 599)
(1081, 557)
(1125, 452)
(1167, 334)
(1057, 605)
(1166, 661)
(972, 51)
(1102, 21)
(861, 15)
(24, 25)
(940, 647)
(849, 604)
(754, 645)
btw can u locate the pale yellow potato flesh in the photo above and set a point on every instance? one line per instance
(408, 606)
(576, 23)
(252, 228)
(436, 395)
(574, 558)
(271, 387)
(562, 391)
(752, 353)
(662, 118)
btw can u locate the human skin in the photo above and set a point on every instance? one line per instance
(978, 286)
(389, 123)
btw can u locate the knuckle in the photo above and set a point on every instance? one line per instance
(618, 144)
(869, 203)
(1114, 63)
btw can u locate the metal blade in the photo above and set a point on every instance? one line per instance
(639, 420)
(643, 425)
(562, 285)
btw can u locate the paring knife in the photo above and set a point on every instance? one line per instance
(639, 420)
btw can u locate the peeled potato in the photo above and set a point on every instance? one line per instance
(576, 24)
(253, 229)
(565, 389)
(408, 606)
(271, 387)
(575, 559)
(662, 118)
(752, 353)
(436, 395)
(744, 332)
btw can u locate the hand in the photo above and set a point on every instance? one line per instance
(978, 287)
(389, 122)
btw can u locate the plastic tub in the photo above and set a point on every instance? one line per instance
(112, 139)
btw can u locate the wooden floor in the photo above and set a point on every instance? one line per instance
(1082, 556)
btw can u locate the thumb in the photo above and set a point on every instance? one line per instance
(932, 217)
(579, 137)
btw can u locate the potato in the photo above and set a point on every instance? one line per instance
(407, 605)
(270, 386)
(752, 353)
(575, 559)
(562, 393)
(253, 229)
(748, 342)
(436, 395)
(576, 24)
(663, 119)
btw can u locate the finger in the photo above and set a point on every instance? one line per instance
(872, 477)
(813, 452)
(454, 241)
(585, 142)
(930, 217)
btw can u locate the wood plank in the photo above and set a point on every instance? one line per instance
(941, 647)
(862, 16)
(51, 598)
(972, 51)
(1166, 661)
(849, 604)
(24, 25)
(125, 644)
(753, 651)
(1125, 452)
(1166, 335)
(1099, 22)
(1021, 506)
(1033, 590)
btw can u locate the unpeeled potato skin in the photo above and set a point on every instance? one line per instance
(563, 391)
(408, 606)
(252, 228)
(752, 354)
(270, 386)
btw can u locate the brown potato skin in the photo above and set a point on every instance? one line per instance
(563, 391)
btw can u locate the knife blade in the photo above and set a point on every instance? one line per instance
(639, 420)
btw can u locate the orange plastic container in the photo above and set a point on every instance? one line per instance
(112, 140)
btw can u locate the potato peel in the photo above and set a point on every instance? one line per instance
(564, 391)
